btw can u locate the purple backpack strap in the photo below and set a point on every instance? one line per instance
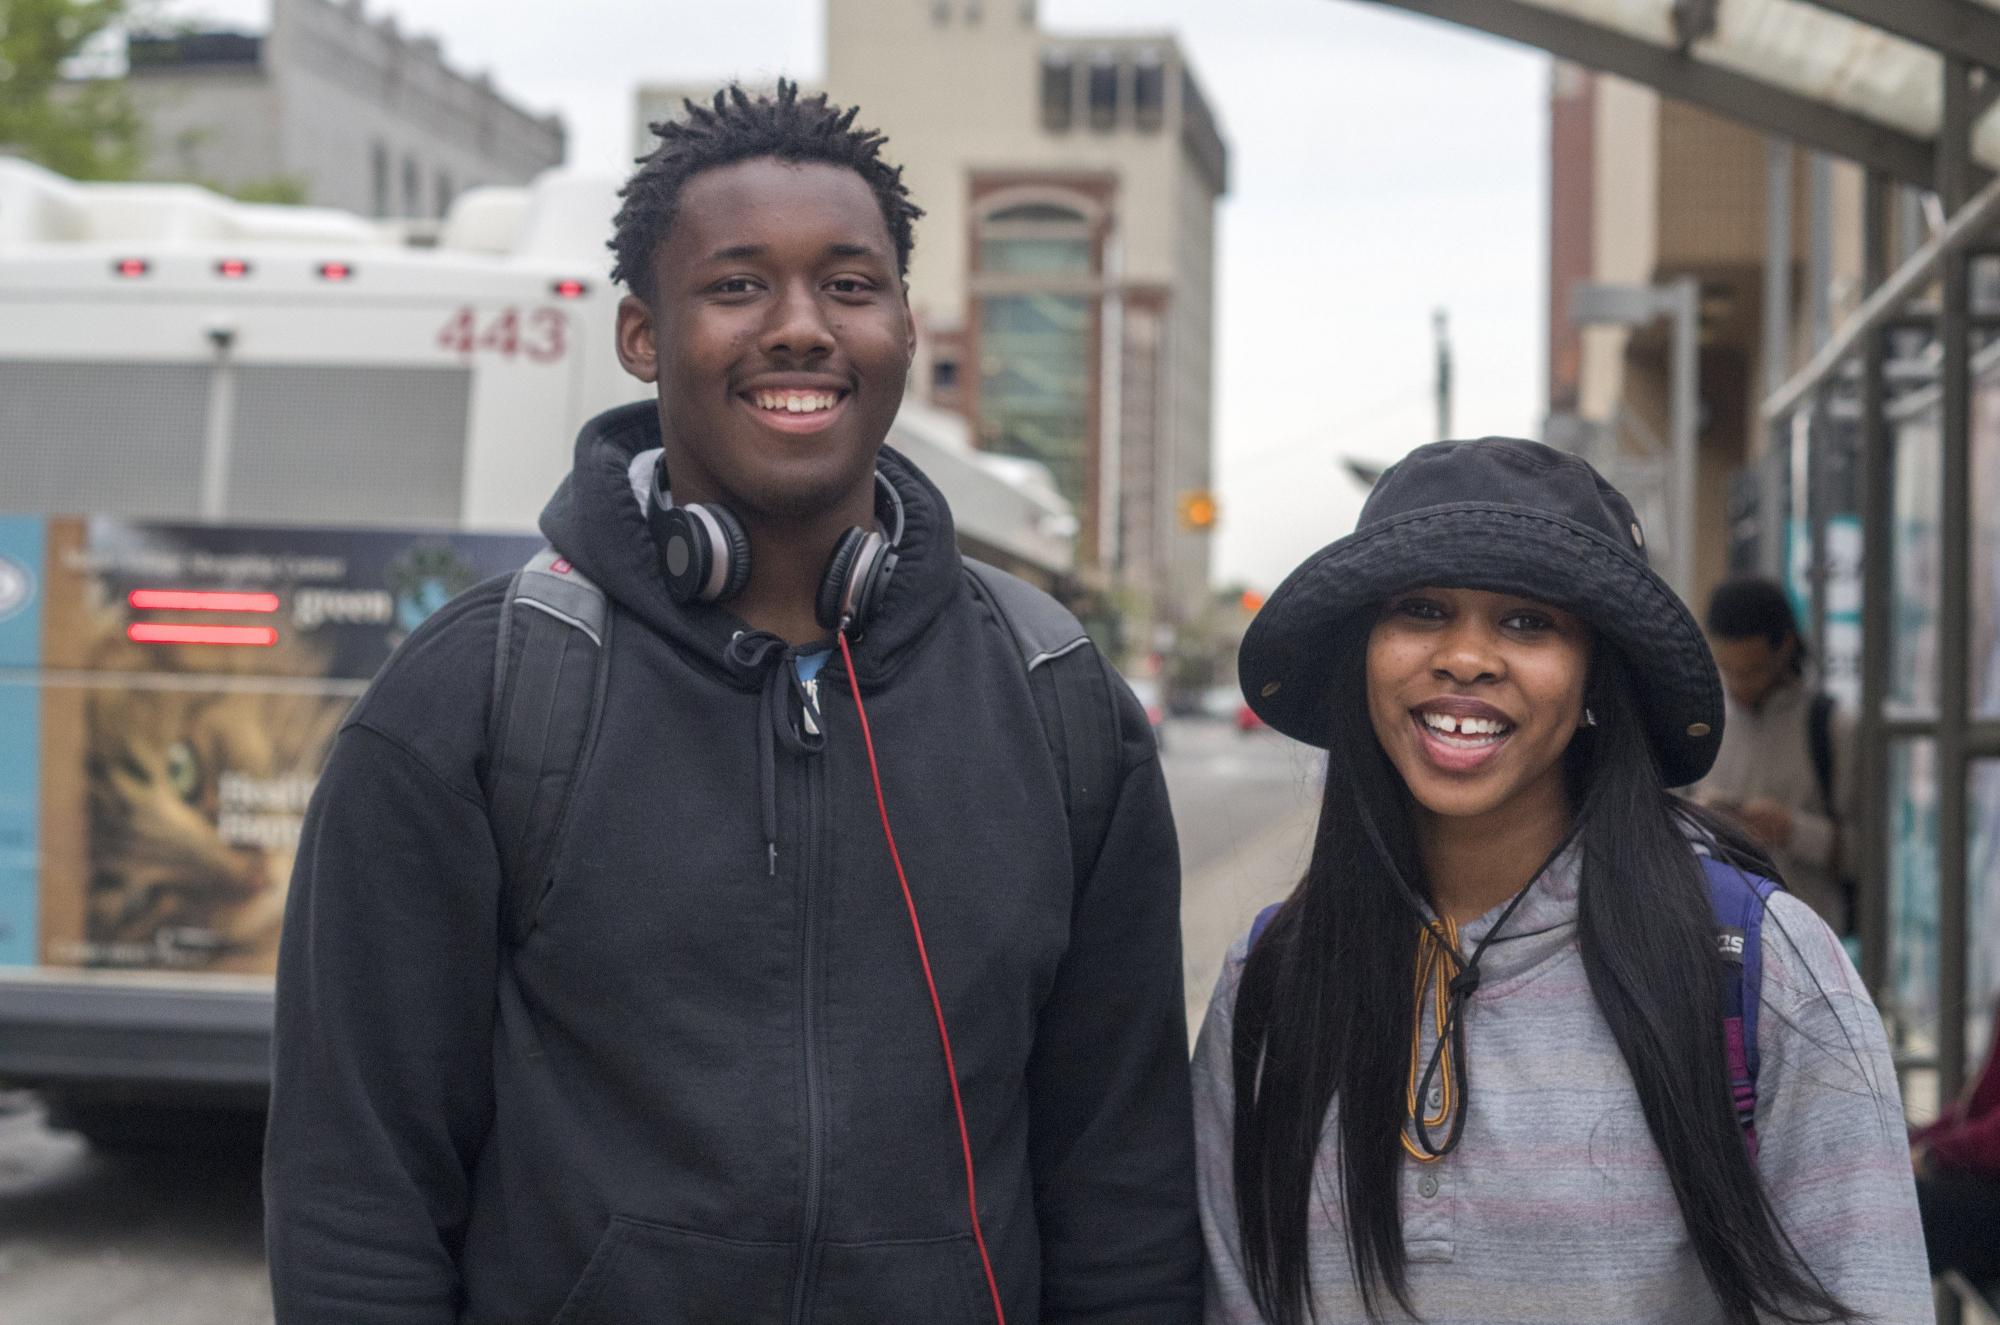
(1738, 898)
(1263, 922)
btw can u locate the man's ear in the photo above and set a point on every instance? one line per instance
(909, 328)
(638, 351)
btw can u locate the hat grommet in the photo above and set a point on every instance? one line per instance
(1271, 688)
(1698, 729)
(1638, 539)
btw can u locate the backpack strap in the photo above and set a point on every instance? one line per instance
(549, 666)
(1073, 696)
(1819, 744)
(1263, 922)
(1739, 899)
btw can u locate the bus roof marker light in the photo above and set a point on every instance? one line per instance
(233, 269)
(570, 289)
(199, 600)
(159, 632)
(336, 271)
(129, 268)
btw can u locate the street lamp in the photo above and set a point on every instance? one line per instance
(1594, 304)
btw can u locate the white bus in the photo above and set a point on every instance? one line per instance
(243, 450)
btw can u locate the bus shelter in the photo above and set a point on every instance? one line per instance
(1891, 433)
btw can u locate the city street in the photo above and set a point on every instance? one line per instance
(87, 1239)
(175, 1239)
(1245, 804)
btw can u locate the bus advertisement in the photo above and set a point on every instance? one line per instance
(168, 694)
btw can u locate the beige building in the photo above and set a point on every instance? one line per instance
(1064, 275)
(1645, 190)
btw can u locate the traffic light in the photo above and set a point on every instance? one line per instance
(1198, 510)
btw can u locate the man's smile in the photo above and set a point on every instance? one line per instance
(796, 402)
(794, 411)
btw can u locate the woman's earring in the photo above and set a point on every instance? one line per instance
(1589, 718)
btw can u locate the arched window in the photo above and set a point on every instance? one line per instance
(1038, 269)
(1038, 238)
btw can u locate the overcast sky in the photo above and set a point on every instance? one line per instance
(1382, 166)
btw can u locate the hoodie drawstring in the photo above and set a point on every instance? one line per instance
(750, 652)
(1437, 950)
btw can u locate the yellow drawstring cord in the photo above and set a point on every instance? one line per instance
(1435, 968)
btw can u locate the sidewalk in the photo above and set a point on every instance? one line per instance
(1218, 904)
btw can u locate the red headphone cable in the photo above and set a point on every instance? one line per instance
(923, 955)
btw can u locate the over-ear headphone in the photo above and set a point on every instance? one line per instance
(705, 555)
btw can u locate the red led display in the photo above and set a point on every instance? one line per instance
(193, 600)
(158, 632)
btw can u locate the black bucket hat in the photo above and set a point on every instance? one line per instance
(1511, 517)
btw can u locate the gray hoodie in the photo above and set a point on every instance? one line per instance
(1556, 1206)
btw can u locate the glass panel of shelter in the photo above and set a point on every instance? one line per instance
(1909, 1000)
(1913, 631)
(1982, 929)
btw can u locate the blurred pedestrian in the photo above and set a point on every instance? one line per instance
(1786, 769)
(606, 993)
(1499, 1057)
(1957, 1161)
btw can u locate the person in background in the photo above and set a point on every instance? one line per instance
(1785, 769)
(1957, 1159)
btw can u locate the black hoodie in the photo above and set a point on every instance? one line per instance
(703, 1092)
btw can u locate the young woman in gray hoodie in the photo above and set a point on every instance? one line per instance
(1477, 1067)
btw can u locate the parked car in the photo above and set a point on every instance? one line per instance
(1220, 702)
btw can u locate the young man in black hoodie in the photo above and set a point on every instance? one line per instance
(706, 1082)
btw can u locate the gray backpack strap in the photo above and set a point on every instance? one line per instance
(1073, 695)
(548, 694)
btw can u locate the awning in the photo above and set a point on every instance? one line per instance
(1860, 79)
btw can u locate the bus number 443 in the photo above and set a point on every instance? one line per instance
(541, 334)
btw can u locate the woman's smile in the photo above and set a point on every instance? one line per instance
(1460, 735)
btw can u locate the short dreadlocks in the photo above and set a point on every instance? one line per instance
(737, 127)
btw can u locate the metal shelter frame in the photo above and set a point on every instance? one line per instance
(1965, 34)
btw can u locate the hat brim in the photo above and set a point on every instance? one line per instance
(1286, 664)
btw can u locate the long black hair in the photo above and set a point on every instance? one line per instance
(1326, 1002)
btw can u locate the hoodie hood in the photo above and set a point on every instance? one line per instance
(593, 520)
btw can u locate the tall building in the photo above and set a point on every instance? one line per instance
(354, 113)
(1645, 190)
(1064, 274)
